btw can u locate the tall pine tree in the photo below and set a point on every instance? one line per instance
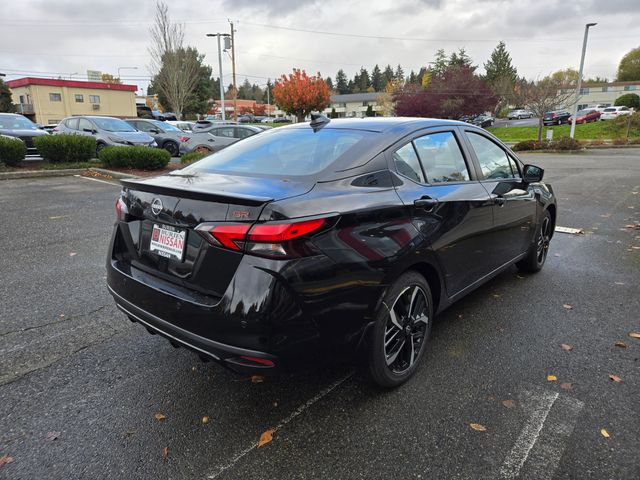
(342, 84)
(377, 81)
(499, 68)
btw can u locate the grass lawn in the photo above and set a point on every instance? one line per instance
(603, 130)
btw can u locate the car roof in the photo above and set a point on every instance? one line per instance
(383, 124)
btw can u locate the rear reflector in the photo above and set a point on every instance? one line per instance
(261, 361)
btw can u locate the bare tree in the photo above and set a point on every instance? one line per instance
(543, 96)
(175, 69)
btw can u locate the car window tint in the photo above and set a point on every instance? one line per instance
(143, 126)
(407, 163)
(441, 158)
(225, 132)
(493, 160)
(84, 123)
(72, 123)
(243, 132)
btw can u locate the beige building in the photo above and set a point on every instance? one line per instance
(605, 93)
(352, 105)
(47, 101)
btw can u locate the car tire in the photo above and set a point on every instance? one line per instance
(537, 255)
(392, 360)
(99, 147)
(172, 148)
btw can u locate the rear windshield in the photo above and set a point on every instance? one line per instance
(290, 152)
(113, 124)
(609, 109)
(16, 122)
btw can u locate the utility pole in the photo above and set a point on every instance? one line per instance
(221, 80)
(233, 72)
(579, 86)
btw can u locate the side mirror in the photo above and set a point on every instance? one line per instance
(532, 174)
(90, 130)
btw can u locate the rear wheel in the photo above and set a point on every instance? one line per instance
(534, 261)
(172, 148)
(402, 326)
(99, 147)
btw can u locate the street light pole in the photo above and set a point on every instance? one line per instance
(220, 67)
(579, 86)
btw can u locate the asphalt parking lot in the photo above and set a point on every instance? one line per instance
(80, 385)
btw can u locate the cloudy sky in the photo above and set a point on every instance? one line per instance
(67, 37)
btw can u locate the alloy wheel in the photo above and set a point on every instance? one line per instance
(406, 329)
(543, 240)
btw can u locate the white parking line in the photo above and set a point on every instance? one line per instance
(542, 403)
(283, 422)
(95, 180)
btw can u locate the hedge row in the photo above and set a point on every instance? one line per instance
(65, 148)
(144, 158)
(12, 151)
(562, 143)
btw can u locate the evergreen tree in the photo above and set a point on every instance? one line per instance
(363, 82)
(268, 98)
(341, 82)
(377, 81)
(399, 75)
(460, 59)
(329, 83)
(499, 66)
(5, 98)
(388, 75)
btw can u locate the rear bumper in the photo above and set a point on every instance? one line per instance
(227, 355)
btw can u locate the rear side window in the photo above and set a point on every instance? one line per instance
(407, 163)
(225, 132)
(494, 161)
(442, 158)
(283, 152)
(244, 132)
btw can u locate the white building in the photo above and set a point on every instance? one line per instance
(354, 105)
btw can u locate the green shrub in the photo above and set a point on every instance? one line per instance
(630, 100)
(12, 151)
(191, 157)
(530, 145)
(143, 158)
(65, 148)
(565, 143)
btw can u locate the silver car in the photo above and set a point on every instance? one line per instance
(217, 136)
(108, 131)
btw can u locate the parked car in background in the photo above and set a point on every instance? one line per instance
(483, 121)
(182, 125)
(170, 116)
(108, 131)
(519, 114)
(601, 106)
(19, 126)
(48, 128)
(280, 120)
(586, 115)
(166, 136)
(313, 242)
(246, 119)
(556, 118)
(217, 137)
(208, 123)
(267, 120)
(611, 113)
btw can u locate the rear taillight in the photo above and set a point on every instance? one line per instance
(271, 239)
(121, 210)
(184, 139)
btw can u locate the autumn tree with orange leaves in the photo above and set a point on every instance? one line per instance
(299, 94)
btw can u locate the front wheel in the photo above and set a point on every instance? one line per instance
(172, 148)
(402, 327)
(534, 261)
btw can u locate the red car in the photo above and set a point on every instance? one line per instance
(587, 115)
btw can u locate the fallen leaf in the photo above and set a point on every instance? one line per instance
(477, 427)
(604, 433)
(551, 378)
(205, 419)
(160, 416)
(621, 344)
(4, 459)
(266, 437)
(72, 254)
(635, 248)
(275, 404)
(165, 452)
(51, 436)
(509, 403)
(257, 378)
(565, 347)
(567, 306)
(566, 386)
(635, 335)
(615, 378)
(496, 295)
(633, 226)
(556, 255)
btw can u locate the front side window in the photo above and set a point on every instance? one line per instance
(71, 123)
(55, 97)
(84, 125)
(113, 124)
(79, 98)
(407, 163)
(494, 161)
(94, 98)
(442, 158)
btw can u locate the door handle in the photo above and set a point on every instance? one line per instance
(498, 200)
(425, 202)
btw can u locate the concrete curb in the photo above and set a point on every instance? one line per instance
(67, 172)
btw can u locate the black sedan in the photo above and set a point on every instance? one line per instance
(19, 126)
(312, 241)
(556, 118)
